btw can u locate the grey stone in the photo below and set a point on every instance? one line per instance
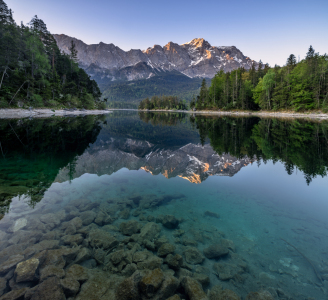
(141, 256)
(125, 213)
(70, 286)
(203, 279)
(77, 272)
(165, 249)
(87, 217)
(49, 289)
(51, 271)
(89, 264)
(149, 231)
(168, 288)
(170, 222)
(15, 294)
(193, 289)
(128, 289)
(10, 263)
(83, 255)
(193, 256)
(151, 263)
(261, 295)
(130, 227)
(72, 240)
(3, 285)
(26, 270)
(129, 269)
(151, 282)
(215, 251)
(226, 271)
(174, 261)
(102, 239)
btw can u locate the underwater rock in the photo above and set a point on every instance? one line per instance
(125, 213)
(226, 271)
(117, 256)
(10, 263)
(188, 242)
(160, 241)
(102, 239)
(150, 218)
(203, 279)
(129, 269)
(89, 264)
(77, 272)
(165, 249)
(89, 206)
(149, 231)
(3, 285)
(70, 286)
(215, 251)
(19, 224)
(170, 222)
(141, 256)
(60, 257)
(151, 282)
(130, 227)
(100, 218)
(151, 263)
(128, 289)
(174, 261)
(51, 271)
(50, 219)
(83, 255)
(168, 287)
(211, 214)
(178, 232)
(87, 217)
(26, 270)
(175, 297)
(193, 256)
(261, 295)
(149, 245)
(15, 294)
(49, 289)
(72, 240)
(193, 289)
(182, 272)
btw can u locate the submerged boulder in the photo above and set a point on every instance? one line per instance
(193, 256)
(170, 222)
(26, 270)
(193, 289)
(215, 251)
(151, 282)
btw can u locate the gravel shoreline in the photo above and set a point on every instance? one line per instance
(42, 113)
(320, 116)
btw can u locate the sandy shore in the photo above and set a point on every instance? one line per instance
(41, 113)
(266, 114)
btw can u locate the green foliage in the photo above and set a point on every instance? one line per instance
(297, 144)
(163, 102)
(34, 72)
(296, 86)
(129, 94)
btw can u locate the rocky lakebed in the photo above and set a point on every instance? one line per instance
(119, 249)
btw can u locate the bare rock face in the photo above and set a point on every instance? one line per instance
(194, 59)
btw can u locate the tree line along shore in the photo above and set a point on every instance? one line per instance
(34, 72)
(296, 87)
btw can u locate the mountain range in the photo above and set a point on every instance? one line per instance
(126, 77)
(192, 162)
(196, 58)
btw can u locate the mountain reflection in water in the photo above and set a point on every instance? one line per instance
(133, 191)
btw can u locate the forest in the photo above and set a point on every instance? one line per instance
(298, 86)
(298, 144)
(33, 71)
(163, 102)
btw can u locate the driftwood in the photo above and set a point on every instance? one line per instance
(308, 260)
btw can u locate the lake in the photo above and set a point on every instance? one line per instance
(142, 205)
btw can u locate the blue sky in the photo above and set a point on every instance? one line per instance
(267, 30)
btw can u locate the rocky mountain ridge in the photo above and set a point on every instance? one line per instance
(192, 162)
(194, 59)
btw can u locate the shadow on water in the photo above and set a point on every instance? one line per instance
(33, 151)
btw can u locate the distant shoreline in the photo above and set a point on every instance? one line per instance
(42, 112)
(290, 114)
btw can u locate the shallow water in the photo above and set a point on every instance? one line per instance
(258, 188)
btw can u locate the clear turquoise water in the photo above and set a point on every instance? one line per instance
(260, 206)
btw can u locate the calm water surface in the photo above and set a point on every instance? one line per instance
(238, 205)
